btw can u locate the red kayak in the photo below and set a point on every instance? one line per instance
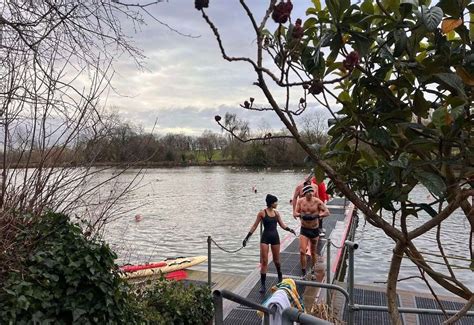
(176, 275)
(133, 268)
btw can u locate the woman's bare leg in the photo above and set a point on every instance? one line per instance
(263, 258)
(276, 260)
(263, 266)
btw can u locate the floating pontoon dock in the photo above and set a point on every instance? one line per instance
(340, 226)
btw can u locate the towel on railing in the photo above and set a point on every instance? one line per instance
(278, 301)
(288, 287)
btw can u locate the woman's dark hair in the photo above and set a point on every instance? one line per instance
(270, 199)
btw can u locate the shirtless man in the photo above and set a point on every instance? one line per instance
(299, 192)
(309, 209)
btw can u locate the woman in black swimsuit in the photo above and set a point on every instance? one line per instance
(269, 217)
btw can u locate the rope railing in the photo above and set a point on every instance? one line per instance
(224, 249)
(334, 245)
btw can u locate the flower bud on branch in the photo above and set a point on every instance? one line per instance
(351, 60)
(200, 4)
(298, 31)
(316, 87)
(282, 11)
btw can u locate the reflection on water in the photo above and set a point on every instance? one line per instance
(182, 206)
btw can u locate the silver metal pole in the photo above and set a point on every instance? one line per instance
(328, 270)
(243, 301)
(219, 312)
(351, 285)
(291, 315)
(352, 246)
(209, 279)
(407, 310)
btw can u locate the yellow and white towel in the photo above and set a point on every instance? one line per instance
(284, 295)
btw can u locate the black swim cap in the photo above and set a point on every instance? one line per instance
(270, 199)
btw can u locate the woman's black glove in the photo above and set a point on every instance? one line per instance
(244, 242)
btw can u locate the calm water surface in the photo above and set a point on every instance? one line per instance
(182, 206)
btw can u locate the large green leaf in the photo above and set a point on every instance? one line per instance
(451, 8)
(411, 2)
(432, 212)
(432, 17)
(319, 173)
(451, 81)
(362, 42)
(317, 4)
(407, 7)
(421, 106)
(471, 26)
(401, 162)
(367, 7)
(337, 7)
(310, 22)
(391, 5)
(379, 135)
(400, 42)
(441, 117)
(433, 182)
(384, 50)
(312, 11)
(374, 181)
(368, 158)
(333, 8)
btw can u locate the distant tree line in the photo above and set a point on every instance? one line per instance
(122, 142)
(126, 143)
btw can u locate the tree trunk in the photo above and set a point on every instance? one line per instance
(392, 284)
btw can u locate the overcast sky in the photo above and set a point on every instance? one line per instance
(186, 81)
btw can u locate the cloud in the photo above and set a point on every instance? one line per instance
(193, 120)
(186, 81)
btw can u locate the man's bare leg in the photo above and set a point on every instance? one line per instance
(314, 254)
(303, 245)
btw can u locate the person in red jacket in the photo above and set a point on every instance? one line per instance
(323, 196)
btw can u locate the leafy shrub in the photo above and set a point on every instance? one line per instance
(256, 156)
(66, 278)
(171, 302)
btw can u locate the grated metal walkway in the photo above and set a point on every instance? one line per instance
(369, 297)
(438, 319)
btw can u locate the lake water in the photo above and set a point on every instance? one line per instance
(182, 206)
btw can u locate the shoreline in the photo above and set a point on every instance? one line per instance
(147, 164)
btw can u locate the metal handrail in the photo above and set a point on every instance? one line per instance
(316, 284)
(220, 295)
(408, 310)
(209, 263)
(291, 315)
